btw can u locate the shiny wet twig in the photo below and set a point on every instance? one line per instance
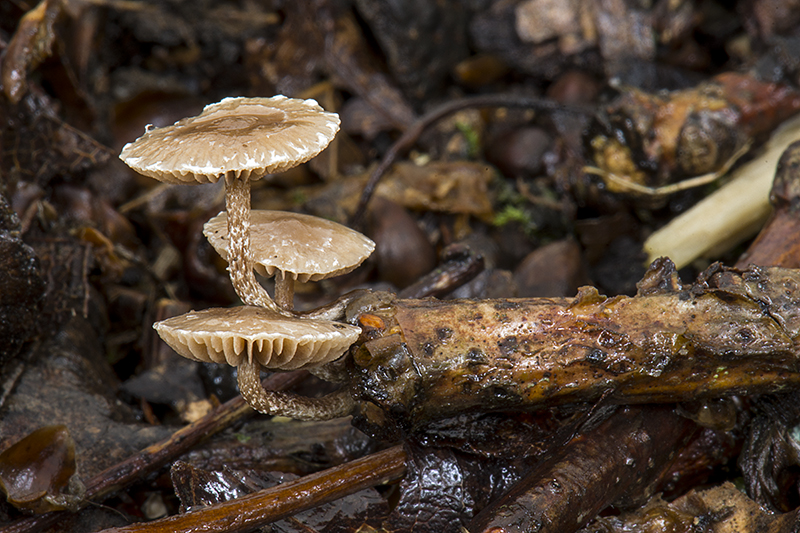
(263, 507)
(609, 454)
(460, 264)
(623, 456)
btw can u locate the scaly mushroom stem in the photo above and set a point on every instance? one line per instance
(240, 259)
(284, 291)
(334, 405)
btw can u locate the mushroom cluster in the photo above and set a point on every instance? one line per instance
(240, 140)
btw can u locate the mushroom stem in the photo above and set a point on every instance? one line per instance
(334, 405)
(240, 259)
(284, 291)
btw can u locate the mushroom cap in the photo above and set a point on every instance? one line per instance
(278, 342)
(303, 247)
(241, 137)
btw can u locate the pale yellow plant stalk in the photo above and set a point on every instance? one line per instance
(733, 213)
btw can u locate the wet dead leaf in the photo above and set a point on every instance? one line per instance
(30, 45)
(68, 382)
(38, 473)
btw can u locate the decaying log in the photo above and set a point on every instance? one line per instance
(731, 332)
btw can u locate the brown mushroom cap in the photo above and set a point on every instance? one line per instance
(303, 247)
(242, 137)
(277, 342)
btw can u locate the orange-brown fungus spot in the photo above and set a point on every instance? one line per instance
(371, 322)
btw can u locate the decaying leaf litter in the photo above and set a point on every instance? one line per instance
(507, 192)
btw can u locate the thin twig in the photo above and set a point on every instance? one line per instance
(269, 505)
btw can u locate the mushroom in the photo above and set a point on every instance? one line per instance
(293, 246)
(250, 338)
(240, 139)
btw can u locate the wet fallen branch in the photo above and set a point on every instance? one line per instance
(158, 455)
(731, 332)
(269, 505)
(623, 456)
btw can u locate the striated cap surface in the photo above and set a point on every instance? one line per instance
(303, 247)
(241, 137)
